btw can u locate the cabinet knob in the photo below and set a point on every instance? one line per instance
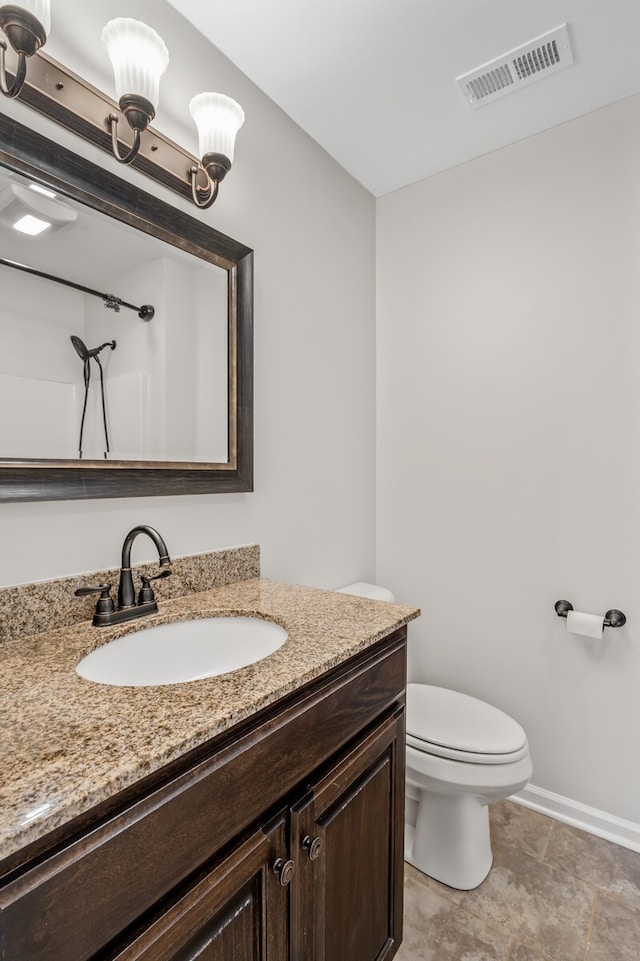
(285, 870)
(313, 847)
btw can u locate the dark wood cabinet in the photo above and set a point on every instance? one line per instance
(347, 836)
(282, 840)
(237, 910)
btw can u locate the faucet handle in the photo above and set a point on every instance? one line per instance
(146, 595)
(105, 603)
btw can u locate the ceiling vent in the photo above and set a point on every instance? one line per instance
(532, 61)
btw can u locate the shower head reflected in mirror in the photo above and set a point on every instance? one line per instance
(85, 354)
(83, 351)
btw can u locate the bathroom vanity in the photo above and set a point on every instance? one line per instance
(258, 815)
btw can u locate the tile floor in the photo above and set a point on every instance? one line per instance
(554, 894)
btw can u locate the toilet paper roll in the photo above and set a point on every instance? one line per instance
(590, 625)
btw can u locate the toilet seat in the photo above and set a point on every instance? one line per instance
(452, 725)
(438, 750)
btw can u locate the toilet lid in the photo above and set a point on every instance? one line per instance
(452, 724)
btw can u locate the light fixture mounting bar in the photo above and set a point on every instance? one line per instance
(62, 96)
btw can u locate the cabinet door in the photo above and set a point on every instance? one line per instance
(237, 912)
(347, 840)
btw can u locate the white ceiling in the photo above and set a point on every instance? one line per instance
(70, 250)
(372, 81)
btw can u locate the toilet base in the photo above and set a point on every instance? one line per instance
(451, 841)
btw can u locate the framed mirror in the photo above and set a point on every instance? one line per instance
(126, 365)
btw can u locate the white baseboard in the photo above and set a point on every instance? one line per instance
(603, 825)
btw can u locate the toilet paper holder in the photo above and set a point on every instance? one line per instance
(612, 618)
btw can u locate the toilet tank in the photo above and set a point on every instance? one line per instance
(373, 591)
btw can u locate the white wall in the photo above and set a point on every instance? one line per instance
(40, 372)
(509, 435)
(509, 438)
(312, 228)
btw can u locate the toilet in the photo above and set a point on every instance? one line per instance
(462, 754)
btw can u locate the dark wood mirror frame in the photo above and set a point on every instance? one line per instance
(46, 162)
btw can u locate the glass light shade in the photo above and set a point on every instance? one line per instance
(41, 9)
(218, 119)
(139, 58)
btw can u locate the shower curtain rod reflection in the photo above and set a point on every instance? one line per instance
(145, 312)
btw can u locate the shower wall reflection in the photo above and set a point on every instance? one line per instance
(165, 384)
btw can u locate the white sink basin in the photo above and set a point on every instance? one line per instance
(182, 651)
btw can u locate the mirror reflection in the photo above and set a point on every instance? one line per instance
(121, 352)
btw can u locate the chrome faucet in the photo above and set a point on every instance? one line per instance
(128, 606)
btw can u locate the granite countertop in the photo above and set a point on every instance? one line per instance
(67, 743)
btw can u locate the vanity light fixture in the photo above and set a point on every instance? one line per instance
(139, 58)
(218, 119)
(26, 26)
